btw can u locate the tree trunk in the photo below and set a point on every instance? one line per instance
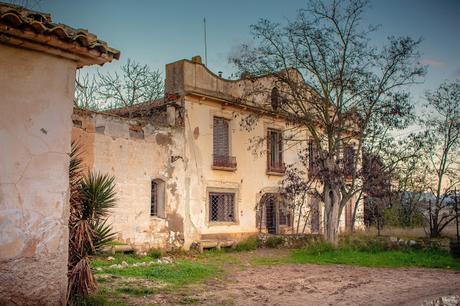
(355, 210)
(332, 213)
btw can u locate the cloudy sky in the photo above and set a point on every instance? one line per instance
(157, 32)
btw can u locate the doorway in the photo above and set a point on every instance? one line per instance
(270, 213)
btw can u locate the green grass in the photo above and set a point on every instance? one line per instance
(248, 244)
(114, 242)
(366, 254)
(98, 298)
(130, 258)
(156, 253)
(179, 273)
(136, 291)
(387, 259)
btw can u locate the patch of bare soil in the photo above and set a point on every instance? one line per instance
(329, 285)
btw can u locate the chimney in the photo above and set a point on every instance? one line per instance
(196, 59)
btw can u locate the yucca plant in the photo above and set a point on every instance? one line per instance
(91, 198)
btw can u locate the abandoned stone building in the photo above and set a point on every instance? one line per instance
(186, 174)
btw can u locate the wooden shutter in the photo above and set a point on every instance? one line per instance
(269, 151)
(312, 158)
(274, 149)
(349, 159)
(221, 137)
(280, 149)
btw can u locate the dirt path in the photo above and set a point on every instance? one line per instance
(328, 285)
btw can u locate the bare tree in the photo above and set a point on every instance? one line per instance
(135, 84)
(344, 86)
(297, 191)
(443, 136)
(86, 93)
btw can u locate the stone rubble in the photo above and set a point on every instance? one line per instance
(124, 264)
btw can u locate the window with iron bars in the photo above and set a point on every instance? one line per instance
(157, 198)
(154, 199)
(284, 217)
(221, 207)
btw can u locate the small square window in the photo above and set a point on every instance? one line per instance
(221, 207)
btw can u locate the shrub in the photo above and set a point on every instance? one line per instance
(91, 198)
(155, 253)
(274, 242)
(248, 244)
(319, 247)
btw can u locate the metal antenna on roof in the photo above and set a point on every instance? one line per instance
(205, 44)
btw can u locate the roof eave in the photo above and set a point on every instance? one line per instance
(52, 45)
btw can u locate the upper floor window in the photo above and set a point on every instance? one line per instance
(221, 207)
(312, 158)
(348, 160)
(275, 151)
(221, 144)
(157, 198)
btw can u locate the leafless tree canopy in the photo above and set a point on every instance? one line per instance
(347, 86)
(442, 123)
(136, 83)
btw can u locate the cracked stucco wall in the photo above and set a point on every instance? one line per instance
(135, 162)
(36, 93)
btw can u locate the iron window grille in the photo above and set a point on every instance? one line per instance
(154, 199)
(221, 207)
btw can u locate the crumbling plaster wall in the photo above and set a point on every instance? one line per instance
(135, 162)
(36, 93)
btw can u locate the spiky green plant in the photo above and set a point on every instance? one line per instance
(91, 198)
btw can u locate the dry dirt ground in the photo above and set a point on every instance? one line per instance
(330, 285)
(291, 284)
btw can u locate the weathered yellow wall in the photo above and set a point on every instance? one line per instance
(36, 94)
(250, 179)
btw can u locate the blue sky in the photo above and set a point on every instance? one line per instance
(160, 32)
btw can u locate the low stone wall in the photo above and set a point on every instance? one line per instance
(288, 241)
(385, 242)
(418, 243)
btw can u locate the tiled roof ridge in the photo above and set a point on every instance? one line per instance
(18, 17)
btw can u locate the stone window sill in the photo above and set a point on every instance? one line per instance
(230, 169)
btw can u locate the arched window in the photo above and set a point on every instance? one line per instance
(157, 198)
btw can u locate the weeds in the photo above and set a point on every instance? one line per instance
(136, 291)
(156, 253)
(274, 242)
(249, 244)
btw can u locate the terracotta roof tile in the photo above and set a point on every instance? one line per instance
(22, 23)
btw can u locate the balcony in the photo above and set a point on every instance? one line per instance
(223, 162)
(278, 168)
